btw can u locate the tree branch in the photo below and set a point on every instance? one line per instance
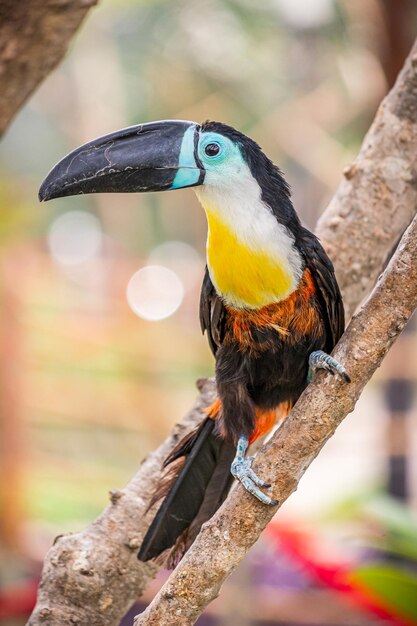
(373, 205)
(34, 37)
(226, 538)
(377, 199)
(94, 577)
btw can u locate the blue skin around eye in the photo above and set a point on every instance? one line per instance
(185, 176)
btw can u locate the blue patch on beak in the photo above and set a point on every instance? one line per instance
(188, 174)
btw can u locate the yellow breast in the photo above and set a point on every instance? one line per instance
(246, 276)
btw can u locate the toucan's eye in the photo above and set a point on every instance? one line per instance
(212, 149)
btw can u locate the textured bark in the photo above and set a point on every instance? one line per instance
(226, 538)
(34, 37)
(371, 209)
(93, 577)
(378, 197)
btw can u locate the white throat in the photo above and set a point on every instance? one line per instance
(251, 257)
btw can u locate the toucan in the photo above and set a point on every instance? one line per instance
(270, 303)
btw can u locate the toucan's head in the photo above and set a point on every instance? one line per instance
(159, 156)
(252, 254)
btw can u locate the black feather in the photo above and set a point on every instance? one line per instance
(216, 492)
(212, 313)
(328, 292)
(187, 495)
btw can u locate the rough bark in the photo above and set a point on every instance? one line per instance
(371, 209)
(377, 199)
(34, 37)
(94, 577)
(226, 538)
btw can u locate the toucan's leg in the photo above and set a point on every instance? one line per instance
(241, 470)
(320, 360)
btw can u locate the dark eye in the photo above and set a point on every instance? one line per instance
(212, 149)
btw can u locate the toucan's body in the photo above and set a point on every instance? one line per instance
(270, 303)
(262, 355)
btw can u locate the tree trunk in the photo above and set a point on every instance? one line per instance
(34, 37)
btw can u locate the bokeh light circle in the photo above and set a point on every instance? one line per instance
(74, 238)
(182, 259)
(154, 292)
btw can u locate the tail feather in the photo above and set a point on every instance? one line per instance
(194, 494)
(216, 492)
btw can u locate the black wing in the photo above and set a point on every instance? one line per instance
(212, 313)
(328, 291)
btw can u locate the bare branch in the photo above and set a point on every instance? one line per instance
(226, 538)
(94, 577)
(34, 37)
(364, 221)
(378, 197)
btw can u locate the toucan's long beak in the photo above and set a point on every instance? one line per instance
(147, 157)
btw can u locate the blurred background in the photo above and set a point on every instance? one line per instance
(99, 336)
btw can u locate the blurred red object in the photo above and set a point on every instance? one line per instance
(330, 567)
(18, 600)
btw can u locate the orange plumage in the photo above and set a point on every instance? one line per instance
(292, 318)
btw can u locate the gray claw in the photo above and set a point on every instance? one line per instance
(320, 360)
(242, 471)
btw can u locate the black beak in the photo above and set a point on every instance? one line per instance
(148, 157)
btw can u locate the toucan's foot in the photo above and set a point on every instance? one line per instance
(242, 471)
(320, 360)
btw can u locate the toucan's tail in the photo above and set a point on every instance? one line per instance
(196, 484)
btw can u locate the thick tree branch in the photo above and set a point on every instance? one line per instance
(34, 37)
(351, 230)
(225, 539)
(94, 577)
(378, 197)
